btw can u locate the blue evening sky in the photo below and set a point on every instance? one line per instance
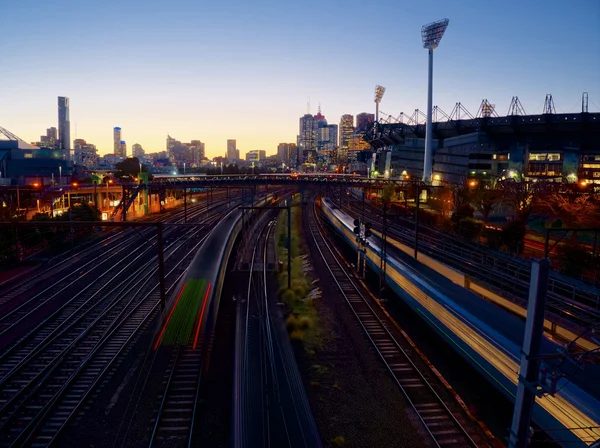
(244, 69)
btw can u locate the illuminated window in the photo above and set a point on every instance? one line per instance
(553, 157)
(591, 165)
(596, 174)
(29, 156)
(537, 156)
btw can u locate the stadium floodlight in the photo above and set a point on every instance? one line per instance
(432, 35)
(379, 91)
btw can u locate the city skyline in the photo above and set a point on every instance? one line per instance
(208, 84)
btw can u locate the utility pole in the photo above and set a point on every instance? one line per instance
(530, 354)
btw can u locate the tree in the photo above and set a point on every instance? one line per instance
(485, 200)
(519, 194)
(573, 209)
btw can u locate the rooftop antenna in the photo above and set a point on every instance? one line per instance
(319, 112)
(308, 105)
(584, 102)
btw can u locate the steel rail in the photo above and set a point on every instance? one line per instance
(432, 409)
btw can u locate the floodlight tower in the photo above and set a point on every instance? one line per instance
(379, 91)
(432, 35)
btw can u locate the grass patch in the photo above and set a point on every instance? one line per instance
(303, 323)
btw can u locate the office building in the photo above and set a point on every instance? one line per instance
(308, 136)
(123, 151)
(346, 130)
(233, 154)
(85, 153)
(117, 148)
(64, 127)
(137, 150)
(364, 122)
(257, 156)
(50, 140)
(285, 151)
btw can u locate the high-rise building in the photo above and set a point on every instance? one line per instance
(197, 152)
(233, 154)
(257, 156)
(137, 150)
(308, 135)
(123, 149)
(64, 127)
(117, 149)
(364, 121)
(50, 140)
(285, 151)
(346, 134)
(85, 153)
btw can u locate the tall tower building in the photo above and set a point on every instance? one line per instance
(233, 155)
(64, 127)
(364, 122)
(123, 149)
(346, 130)
(308, 135)
(137, 150)
(346, 134)
(117, 141)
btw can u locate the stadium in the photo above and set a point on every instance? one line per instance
(550, 146)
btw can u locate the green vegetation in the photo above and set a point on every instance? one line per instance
(181, 325)
(302, 323)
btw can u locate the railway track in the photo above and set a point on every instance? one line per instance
(446, 427)
(56, 379)
(270, 406)
(90, 284)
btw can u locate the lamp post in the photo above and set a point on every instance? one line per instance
(432, 35)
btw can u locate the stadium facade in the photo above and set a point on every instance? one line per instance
(558, 147)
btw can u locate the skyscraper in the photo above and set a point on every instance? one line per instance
(346, 133)
(233, 154)
(285, 152)
(117, 149)
(308, 136)
(64, 127)
(364, 121)
(123, 149)
(137, 150)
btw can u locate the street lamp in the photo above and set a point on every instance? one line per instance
(379, 91)
(432, 35)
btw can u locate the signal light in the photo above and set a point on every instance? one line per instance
(357, 222)
(357, 230)
(368, 232)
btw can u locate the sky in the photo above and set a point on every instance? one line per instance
(198, 69)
